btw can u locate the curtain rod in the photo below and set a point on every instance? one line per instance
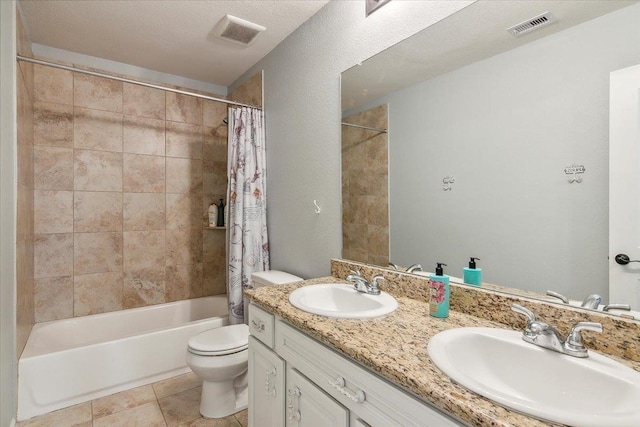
(135, 82)
(365, 127)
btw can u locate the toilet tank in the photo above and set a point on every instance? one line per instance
(272, 277)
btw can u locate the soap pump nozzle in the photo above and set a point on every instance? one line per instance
(439, 271)
(472, 262)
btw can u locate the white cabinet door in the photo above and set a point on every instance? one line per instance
(624, 185)
(266, 386)
(308, 406)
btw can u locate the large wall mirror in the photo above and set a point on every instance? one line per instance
(497, 146)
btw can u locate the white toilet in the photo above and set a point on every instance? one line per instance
(219, 356)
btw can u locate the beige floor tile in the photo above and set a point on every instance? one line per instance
(147, 415)
(229, 421)
(176, 385)
(181, 407)
(67, 417)
(120, 401)
(243, 418)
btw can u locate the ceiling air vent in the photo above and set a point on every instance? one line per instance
(237, 30)
(532, 24)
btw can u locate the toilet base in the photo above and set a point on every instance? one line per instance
(222, 398)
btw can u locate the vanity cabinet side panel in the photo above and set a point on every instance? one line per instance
(266, 386)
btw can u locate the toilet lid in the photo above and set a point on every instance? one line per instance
(220, 341)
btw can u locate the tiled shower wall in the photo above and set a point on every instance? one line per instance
(365, 188)
(123, 175)
(24, 225)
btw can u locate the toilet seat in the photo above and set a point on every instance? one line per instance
(220, 341)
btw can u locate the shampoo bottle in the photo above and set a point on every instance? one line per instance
(220, 222)
(472, 275)
(213, 215)
(439, 293)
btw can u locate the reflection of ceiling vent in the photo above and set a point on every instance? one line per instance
(532, 24)
(237, 30)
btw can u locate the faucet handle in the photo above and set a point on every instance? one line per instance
(574, 342)
(356, 273)
(559, 296)
(524, 311)
(375, 279)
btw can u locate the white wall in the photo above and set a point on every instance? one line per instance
(302, 111)
(8, 135)
(506, 127)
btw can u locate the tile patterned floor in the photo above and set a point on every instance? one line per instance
(173, 402)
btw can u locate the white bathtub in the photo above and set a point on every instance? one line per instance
(70, 361)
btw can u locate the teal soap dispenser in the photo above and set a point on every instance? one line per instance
(472, 275)
(439, 293)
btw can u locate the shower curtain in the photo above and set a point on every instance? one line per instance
(247, 207)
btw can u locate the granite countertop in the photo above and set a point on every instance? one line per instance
(395, 347)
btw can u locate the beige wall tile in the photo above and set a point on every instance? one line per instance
(184, 211)
(143, 288)
(97, 93)
(97, 170)
(67, 417)
(97, 211)
(144, 136)
(147, 415)
(53, 211)
(53, 125)
(53, 298)
(97, 130)
(213, 113)
(184, 246)
(25, 164)
(53, 168)
(53, 255)
(184, 140)
(214, 143)
(24, 293)
(144, 249)
(214, 278)
(184, 176)
(97, 293)
(120, 401)
(24, 218)
(214, 246)
(143, 101)
(214, 177)
(183, 282)
(250, 91)
(97, 252)
(143, 211)
(184, 108)
(53, 85)
(143, 174)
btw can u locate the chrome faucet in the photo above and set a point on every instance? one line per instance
(592, 301)
(361, 284)
(414, 267)
(608, 307)
(544, 335)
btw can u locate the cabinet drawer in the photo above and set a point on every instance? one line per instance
(374, 400)
(261, 325)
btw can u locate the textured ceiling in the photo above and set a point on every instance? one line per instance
(174, 37)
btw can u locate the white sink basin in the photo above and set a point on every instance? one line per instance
(340, 300)
(496, 363)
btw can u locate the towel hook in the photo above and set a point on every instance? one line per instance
(315, 203)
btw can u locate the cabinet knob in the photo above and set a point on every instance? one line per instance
(257, 324)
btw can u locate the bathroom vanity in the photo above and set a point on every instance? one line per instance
(307, 369)
(296, 380)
